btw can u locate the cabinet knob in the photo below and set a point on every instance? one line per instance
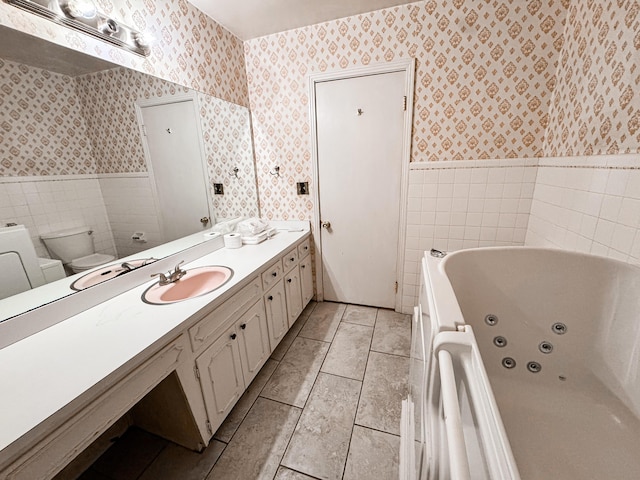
(270, 297)
(243, 326)
(292, 259)
(302, 266)
(233, 336)
(274, 274)
(288, 280)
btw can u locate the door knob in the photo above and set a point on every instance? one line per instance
(204, 220)
(326, 225)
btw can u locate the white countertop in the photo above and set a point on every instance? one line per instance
(44, 372)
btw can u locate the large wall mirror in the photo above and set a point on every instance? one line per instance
(73, 151)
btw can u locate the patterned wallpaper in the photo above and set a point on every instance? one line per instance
(189, 48)
(42, 130)
(228, 145)
(484, 76)
(108, 101)
(117, 144)
(596, 106)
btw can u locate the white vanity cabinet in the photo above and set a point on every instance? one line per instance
(254, 341)
(229, 365)
(275, 305)
(306, 280)
(293, 294)
(219, 369)
(180, 374)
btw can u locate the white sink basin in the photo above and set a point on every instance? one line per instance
(196, 282)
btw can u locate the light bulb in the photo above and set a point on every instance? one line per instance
(80, 8)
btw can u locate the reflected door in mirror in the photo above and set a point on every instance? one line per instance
(171, 133)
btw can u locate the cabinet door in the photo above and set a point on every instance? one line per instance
(254, 341)
(306, 280)
(293, 294)
(276, 307)
(220, 371)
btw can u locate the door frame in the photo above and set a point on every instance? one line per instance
(157, 101)
(408, 67)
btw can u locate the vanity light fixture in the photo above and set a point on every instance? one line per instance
(234, 172)
(83, 16)
(276, 171)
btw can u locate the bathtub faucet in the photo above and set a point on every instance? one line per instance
(438, 253)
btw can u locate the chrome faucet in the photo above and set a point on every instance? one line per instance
(171, 277)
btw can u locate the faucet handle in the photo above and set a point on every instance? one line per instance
(178, 269)
(163, 279)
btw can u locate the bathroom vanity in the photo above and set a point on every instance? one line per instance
(181, 365)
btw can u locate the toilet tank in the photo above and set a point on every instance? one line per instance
(69, 244)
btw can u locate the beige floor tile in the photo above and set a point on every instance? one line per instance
(178, 463)
(392, 333)
(257, 447)
(349, 351)
(280, 351)
(235, 417)
(360, 315)
(308, 309)
(385, 386)
(372, 454)
(292, 381)
(286, 474)
(320, 443)
(323, 321)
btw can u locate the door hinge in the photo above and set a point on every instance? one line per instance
(396, 288)
(209, 429)
(196, 370)
(144, 128)
(404, 104)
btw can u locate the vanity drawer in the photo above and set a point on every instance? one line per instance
(289, 259)
(272, 275)
(207, 330)
(304, 248)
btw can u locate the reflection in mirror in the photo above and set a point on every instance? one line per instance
(73, 152)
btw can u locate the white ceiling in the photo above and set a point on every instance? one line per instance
(255, 18)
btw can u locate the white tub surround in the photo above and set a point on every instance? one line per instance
(65, 385)
(588, 204)
(560, 342)
(464, 204)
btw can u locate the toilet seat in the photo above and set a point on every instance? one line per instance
(90, 261)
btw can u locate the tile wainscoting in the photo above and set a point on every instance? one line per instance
(464, 204)
(44, 204)
(588, 204)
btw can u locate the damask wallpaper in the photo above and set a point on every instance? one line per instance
(42, 129)
(485, 71)
(188, 47)
(596, 106)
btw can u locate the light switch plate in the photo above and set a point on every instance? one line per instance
(303, 188)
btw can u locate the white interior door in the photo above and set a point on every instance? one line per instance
(173, 144)
(360, 125)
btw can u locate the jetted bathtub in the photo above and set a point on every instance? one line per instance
(558, 335)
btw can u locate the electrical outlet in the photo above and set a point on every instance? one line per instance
(218, 189)
(303, 188)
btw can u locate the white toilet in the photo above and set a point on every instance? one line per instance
(74, 246)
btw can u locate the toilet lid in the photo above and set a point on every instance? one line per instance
(92, 260)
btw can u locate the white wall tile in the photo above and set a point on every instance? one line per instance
(589, 205)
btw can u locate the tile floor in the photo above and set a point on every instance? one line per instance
(325, 405)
